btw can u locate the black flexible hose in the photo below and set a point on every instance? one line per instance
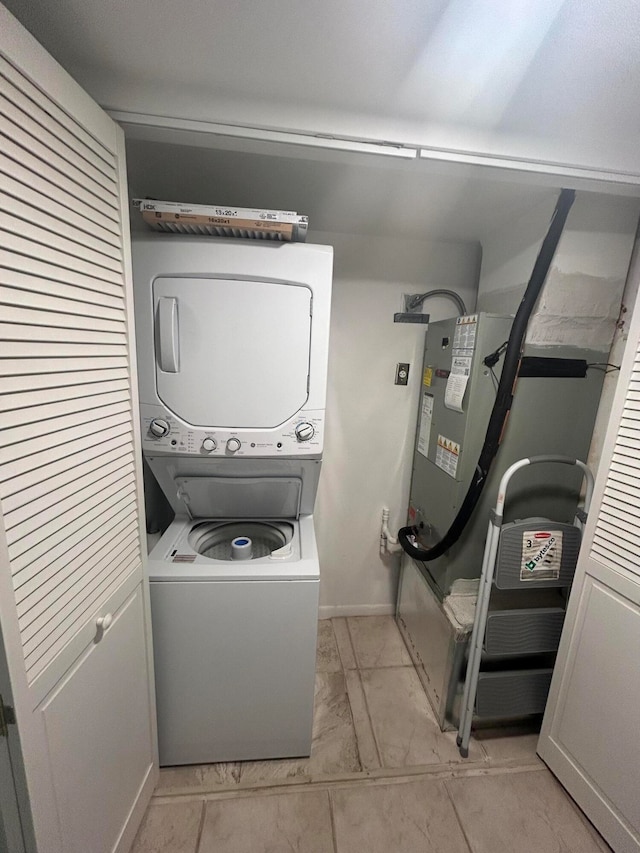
(504, 394)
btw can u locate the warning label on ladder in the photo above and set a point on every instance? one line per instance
(541, 555)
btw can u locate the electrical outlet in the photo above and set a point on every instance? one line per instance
(402, 373)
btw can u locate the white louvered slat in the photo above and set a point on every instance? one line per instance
(32, 623)
(37, 644)
(621, 504)
(14, 176)
(628, 444)
(50, 213)
(38, 141)
(625, 464)
(15, 82)
(37, 266)
(47, 135)
(80, 404)
(55, 257)
(82, 601)
(51, 566)
(53, 349)
(46, 652)
(43, 236)
(624, 535)
(16, 367)
(39, 183)
(69, 464)
(17, 332)
(22, 315)
(39, 603)
(23, 537)
(611, 553)
(51, 507)
(625, 481)
(616, 536)
(51, 585)
(57, 184)
(63, 392)
(37, 495)
(626, 455)
(62, 379)
(17, 297)
(38, 287)
(35, 610)
(27, 456)
(22, 434)
(29, 566)
(629, 424)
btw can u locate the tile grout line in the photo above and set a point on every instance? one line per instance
(351, 643)
(369, 720)
(346, 690)
(353, 720)
(364, 695)
(374, 777)
(455, 811)
(344, 668)
(334, 837)
(201, 825)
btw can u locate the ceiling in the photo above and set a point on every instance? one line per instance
(552, 79)
(548, 80)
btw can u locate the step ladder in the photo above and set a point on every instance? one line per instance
(530, 554)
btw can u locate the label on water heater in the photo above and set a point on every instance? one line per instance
(426, 416)
(447, 455)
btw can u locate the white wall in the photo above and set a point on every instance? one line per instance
(581, 301)
(370, 421)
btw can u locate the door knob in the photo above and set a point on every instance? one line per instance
(102, 623)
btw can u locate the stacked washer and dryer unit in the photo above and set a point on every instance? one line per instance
(232, 359)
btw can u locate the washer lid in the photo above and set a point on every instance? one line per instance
(240, 497)
(232, 353)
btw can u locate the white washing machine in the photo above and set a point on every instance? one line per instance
(232, 361)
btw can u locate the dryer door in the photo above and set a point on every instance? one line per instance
(232, 353)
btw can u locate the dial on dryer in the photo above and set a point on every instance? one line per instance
(159, 427)
(304, 431)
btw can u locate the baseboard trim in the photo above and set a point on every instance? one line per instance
(333, 611)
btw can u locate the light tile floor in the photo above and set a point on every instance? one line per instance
(381, 777)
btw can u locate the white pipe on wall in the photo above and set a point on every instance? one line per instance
(388, 543)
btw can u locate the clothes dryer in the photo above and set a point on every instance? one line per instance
(232, 350)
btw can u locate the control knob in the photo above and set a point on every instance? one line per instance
(304, 431)
(233, 445)
(209, 445)
(159, 427)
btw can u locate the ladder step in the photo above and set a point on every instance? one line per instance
(523, 631)
(513, 693)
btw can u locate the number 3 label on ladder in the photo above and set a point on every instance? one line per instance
(541, 555)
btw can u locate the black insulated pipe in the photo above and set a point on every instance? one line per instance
(407, 536)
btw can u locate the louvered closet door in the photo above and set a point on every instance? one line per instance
(70, 481)
(591, 732)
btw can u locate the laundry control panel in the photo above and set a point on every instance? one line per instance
(164, 433)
